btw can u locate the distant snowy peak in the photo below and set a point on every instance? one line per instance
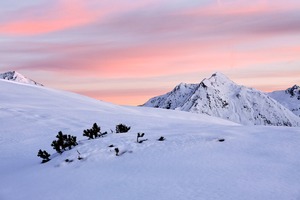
(220, 97)
(183, 92)
(294, 92)
(173, 99)
(290, 98)
(17, 77)
(217, 80)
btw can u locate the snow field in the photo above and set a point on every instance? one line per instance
(254, 162)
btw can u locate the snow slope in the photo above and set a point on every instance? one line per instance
(17, 77)
(218, 96)
(255, 162)
(290, 98)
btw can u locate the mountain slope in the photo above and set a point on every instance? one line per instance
(220, 97)
(17, 77)
(190, 164)
(290, 98)
(176, 98)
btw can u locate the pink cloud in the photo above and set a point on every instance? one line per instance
(149, 39)
(156, 59)
(269, 80)
(243, 8)
(128, 96)
(61, 15)
(132, 60)
(44, 18)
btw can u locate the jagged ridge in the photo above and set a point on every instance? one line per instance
(290, 98)
(219, 96)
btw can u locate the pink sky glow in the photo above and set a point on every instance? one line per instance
(129, 51)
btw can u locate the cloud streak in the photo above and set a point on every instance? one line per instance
(48, 17)
(147, 39)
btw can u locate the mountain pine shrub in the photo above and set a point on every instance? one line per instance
(121, 128)
(94, 132)
(63, 141)
(44, 155)
(161, 138)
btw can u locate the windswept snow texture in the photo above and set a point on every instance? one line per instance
(255, 162)
(290, 98)
(220, 97)
(17, 77)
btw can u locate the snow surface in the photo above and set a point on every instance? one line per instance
(254, 162)
(220, 97)
(290, 98)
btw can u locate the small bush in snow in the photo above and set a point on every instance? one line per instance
(92, 133)
(161, 138)
(121, 128)
(44, 155)
(63, 142)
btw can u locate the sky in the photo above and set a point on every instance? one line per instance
(128, 51)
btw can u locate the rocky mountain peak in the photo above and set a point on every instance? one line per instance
(17, 77)
(293, 91)
(220, 97)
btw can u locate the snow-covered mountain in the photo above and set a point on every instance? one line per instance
(290, 98)
(17, 77)
(220, 97)
(260, 162)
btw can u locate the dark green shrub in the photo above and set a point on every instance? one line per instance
(94, 132)
(56, 146)
(63, 142)
(161, 138)
(121, 128)
(44, 155)
(70, 141)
